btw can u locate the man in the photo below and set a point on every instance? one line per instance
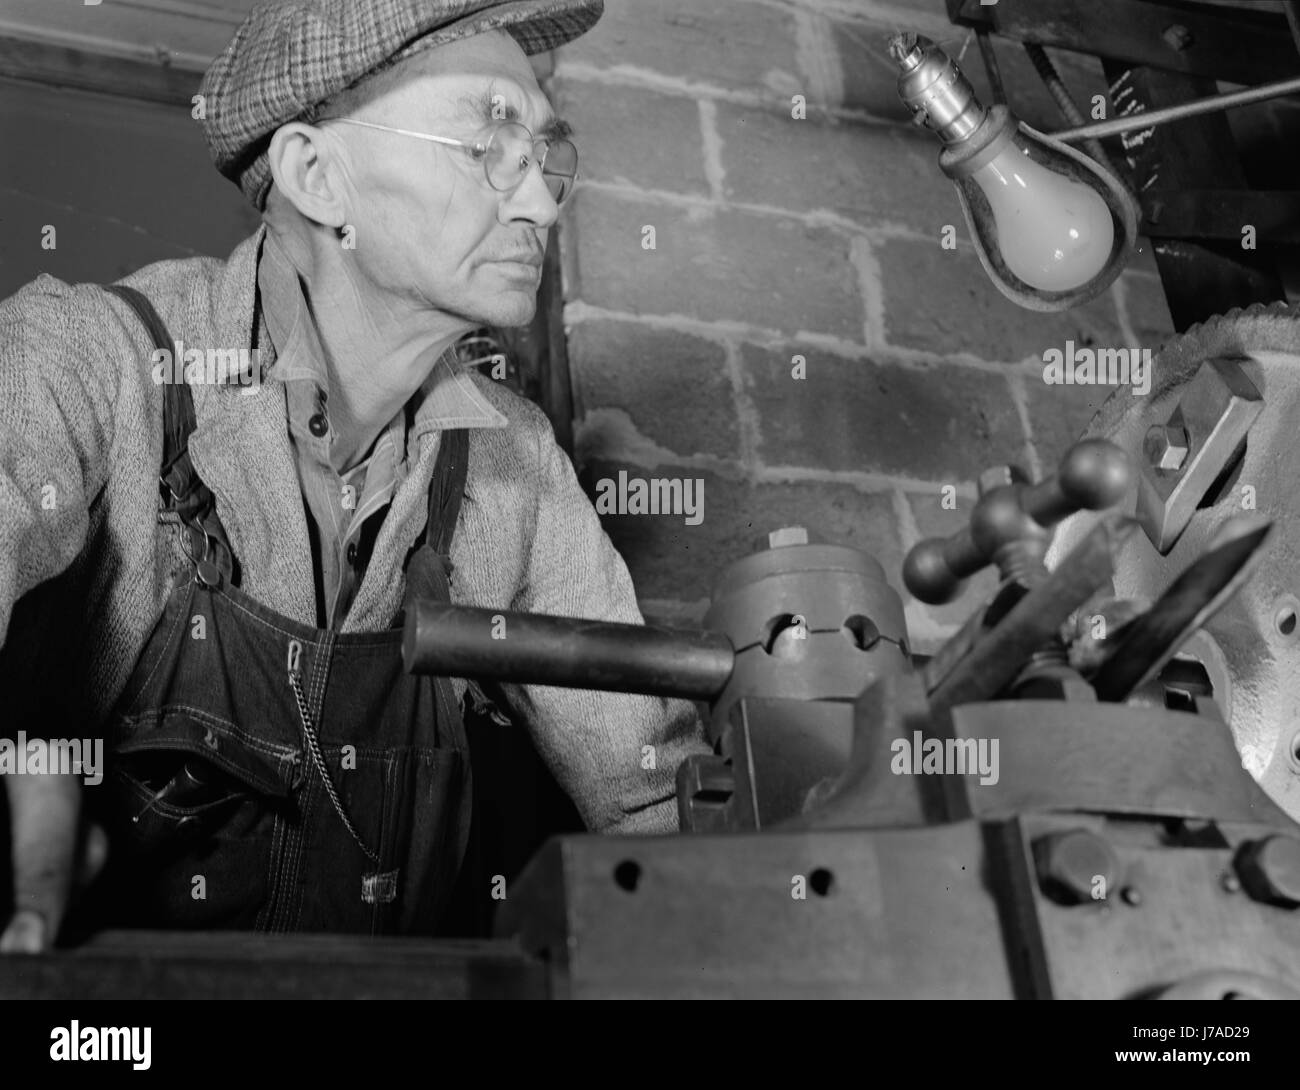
(231, 633)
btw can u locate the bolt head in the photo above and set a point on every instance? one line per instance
(1166, 447)
(1068, 862)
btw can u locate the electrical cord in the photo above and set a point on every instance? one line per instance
(991, 67)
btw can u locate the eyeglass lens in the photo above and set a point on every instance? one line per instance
(510, 154)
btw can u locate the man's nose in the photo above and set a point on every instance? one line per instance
(530, 200)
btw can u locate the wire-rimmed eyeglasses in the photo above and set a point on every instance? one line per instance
(507, 153)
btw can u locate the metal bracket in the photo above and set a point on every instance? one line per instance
(1216, 410)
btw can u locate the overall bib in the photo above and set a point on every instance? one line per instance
(268, 775)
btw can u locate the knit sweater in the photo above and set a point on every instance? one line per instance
(87, 561)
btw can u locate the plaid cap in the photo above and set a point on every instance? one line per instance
(288, 56)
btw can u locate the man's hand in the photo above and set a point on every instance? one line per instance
(48, 854)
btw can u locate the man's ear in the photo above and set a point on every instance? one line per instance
(305, 166)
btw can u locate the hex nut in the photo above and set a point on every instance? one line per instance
(1166, 447)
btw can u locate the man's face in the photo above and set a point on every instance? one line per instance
(429, 228)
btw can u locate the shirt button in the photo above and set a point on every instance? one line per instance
(352, 553)
(318, 425)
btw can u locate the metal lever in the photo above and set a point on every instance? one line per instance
(532, 648)
(1152, 639)
(1011, 524)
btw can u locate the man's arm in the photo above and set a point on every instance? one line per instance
(616, 755)
(55, 434)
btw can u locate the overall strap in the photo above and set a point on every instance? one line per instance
(447, 489)
(431, 577)
(179, 484)
(428, 564)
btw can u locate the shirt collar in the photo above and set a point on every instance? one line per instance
(446, 399)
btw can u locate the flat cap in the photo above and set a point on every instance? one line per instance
(289, 56)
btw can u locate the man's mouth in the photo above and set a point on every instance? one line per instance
(523, 270)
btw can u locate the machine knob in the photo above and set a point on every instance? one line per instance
(1093, 475)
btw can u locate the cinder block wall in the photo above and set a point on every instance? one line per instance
(774, 238)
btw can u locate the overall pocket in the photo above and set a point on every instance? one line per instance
(193, 805)
(171, 798)
(179, 777)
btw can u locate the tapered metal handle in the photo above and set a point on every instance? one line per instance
(1094, 474)
(533, 648)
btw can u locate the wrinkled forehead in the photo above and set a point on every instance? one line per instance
(493, 53)
(466, 80)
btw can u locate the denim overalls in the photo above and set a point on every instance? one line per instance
(268, 775)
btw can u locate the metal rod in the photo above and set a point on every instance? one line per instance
(529, 648)
(1146, 119)
(1292, 8)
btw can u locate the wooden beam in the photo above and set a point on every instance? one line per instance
(1205, 277)
(1221, 214)
(240, 965)
(62, 66)
(1239, 46)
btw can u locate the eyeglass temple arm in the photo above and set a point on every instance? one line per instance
(454, 143)
(404, 132)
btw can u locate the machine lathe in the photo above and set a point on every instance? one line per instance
(1117, 849)
(1051, 805)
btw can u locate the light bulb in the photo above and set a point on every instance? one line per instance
(1051, 227)
(1055, 234)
